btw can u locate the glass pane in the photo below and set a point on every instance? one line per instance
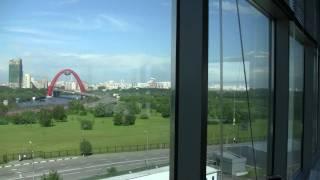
(230, 139)
(296, 75)
(85, 88)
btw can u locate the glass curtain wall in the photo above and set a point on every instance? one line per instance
(296, 90)
(90, 96)
(239, 89)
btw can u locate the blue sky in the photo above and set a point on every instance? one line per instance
(100, 39)
(121, 39)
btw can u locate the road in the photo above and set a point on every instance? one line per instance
(85, 167)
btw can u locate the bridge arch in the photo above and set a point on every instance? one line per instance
(56, 77)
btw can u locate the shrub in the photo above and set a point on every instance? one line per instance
(59, 113)
(28, 117)
(103, 110)
(3, 109)
(4, 122)
(75, 106)
(165, 114)
(83, 113)
(112, 171)
(85, 147)
(124, 119)
(53, 175)
(15, 119)
(129, 119)
(5, 158)
(86, 124)
(133, 107)
(144, 116)
(45, 118)
(117, 119)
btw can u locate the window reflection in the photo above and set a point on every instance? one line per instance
(296, 83)
(231, 107)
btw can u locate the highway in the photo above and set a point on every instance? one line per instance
(84, 167)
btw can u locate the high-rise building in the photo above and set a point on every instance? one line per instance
(15, 73)
(27, 81)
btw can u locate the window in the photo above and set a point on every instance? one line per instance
(296, 90)
(85, 88)
(239, 92)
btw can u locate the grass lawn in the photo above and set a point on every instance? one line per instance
(67, 135)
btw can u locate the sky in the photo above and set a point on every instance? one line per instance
(127, 40)
(99, 39)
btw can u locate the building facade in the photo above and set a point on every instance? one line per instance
(27, 81)
(15, 73)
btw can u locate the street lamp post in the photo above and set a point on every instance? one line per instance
(30, 142)
(147, 134)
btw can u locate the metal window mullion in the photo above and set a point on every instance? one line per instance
(281, 98)
(190, 90)
(308, 110)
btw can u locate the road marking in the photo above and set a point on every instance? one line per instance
(36, 162)
(65, 174)
(17, 165)
(43, 161)
(8, 166)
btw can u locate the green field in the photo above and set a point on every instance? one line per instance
(67, 135)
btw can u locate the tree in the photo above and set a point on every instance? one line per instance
(3, 109)
(85, 147)
(75, 106)
(112, 171)
(45, 118)
(129, 119)
(83, 113)
(59, 114)
(133, 107)
(53, 175)
(125, 119)
(86, 124)
(144, 116)
(103, 110)
(117, 119)
(5, 158)
(28, 117)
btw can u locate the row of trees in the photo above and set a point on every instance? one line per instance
(11, 94)
(45, 117)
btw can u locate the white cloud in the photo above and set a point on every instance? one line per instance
(38, 36)
(24, 30)
(67, 2)
(113, 22)
(117, 61)
(105, 22)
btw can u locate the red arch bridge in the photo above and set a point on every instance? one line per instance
(66, 72)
